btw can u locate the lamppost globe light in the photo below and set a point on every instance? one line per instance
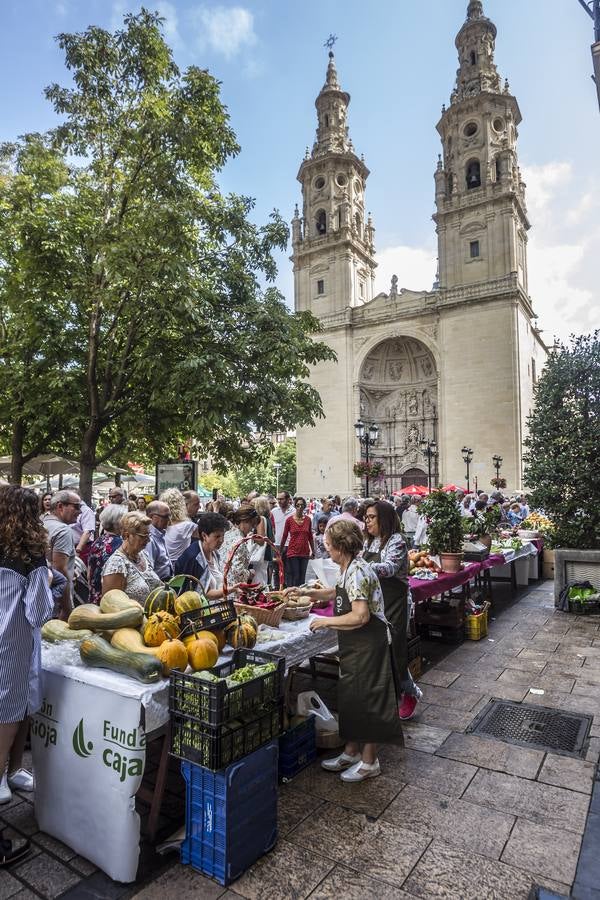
(373, 432)
(359, 428)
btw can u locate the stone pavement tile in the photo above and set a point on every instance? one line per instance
(470, 651)
(439, 677)
(56, 848)
(181, 882)
(593, 752)
(544, 642)
(46, 875)
(541, 803)
(485, 669)
(9, 886)
(572, 667)
(20, 817)
(351, 885)
(83, 865)
(447, 697)
(446, 873)
(517, 638)
(543, 851)
(585, 688)
(541, 656)
(23, 894)
(370, 797)
(477, 829)
(568, 772)
(427, 738)
(454, 719)
(376, 849)
(581, 892)
(533, 666)
(557, 627)
(557, 683)
(577, 646)
(488, 753)
(294, 806)
(288, 872)
(430, 773)
(579, 703)
(490, 687)
(588, 870)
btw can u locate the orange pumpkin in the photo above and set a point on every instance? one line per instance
(221, 639)
(173, 655)
(194, 635)
(241, 634)
(161, 625)
(202, 653)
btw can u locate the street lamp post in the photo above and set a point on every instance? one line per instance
(497, 460)
(367, 437)
(277, 467)
(467, 455)
(429, 448)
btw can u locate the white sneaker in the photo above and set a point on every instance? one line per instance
(21, 780)
(338, 763)
(361, 771)
(5, 791)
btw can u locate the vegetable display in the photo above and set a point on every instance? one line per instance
(161, 625)
(202, 653)
(116, 601)
(90, 616)
(56, 630)
(242, 633)
(97, 652)
(160, 599)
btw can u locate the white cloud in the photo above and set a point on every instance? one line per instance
(414, 266)
(543, 182)
(170, 25)
(60, 9)
(226, 30)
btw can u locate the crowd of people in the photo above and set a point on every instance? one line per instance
(55, 551)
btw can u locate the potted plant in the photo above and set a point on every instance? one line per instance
(474, 527)
(444, 528)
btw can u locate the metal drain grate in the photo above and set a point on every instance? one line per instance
(534, 726)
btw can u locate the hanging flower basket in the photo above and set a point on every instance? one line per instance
(498, 483)
(374, 469)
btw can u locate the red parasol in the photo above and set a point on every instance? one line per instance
(453, 487)
(413, 490)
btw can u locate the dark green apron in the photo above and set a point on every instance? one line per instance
(395, 602)
(367, 697)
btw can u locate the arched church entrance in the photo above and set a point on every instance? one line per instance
(399, 393)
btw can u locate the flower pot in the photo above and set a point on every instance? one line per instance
(486, 540)
(451, 562)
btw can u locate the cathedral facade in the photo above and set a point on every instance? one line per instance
(455, 365)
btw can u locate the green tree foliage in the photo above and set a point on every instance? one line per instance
(163, 306)
(561, 458)
(261, 475)
(226, 484)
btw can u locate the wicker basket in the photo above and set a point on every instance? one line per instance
(262, 616)
(476, 627)
(294, 613)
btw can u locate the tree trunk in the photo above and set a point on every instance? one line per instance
(16, 466)
(87, 461)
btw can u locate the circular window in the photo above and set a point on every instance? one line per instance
(357, 187)
(341, 179)
(471, 129)
(498, 124)
(319, 183)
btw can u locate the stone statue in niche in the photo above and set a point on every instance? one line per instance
(427, 404)
(427, 367)
(413, 436)
(394, 288)
(413, 405)
(395, 370)
(363, 406)
(368, 371)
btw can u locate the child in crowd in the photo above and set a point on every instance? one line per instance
(320, 549)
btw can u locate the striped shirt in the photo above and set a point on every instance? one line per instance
(25, 604)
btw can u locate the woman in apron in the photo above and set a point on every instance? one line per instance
(367, 698)
(385, 549)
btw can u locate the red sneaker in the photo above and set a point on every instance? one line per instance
(407, 708)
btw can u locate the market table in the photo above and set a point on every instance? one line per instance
(89, 746)
(422, 590)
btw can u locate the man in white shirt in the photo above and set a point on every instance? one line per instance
(283, 510)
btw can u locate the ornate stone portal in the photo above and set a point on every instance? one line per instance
(399, 392)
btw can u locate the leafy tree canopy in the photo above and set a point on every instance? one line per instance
(561, 458)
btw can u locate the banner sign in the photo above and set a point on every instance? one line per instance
(180, 475)
(90, 737)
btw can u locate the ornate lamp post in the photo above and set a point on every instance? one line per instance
(367, 437)
(497, 460)
(277, 467)
(429, 448)
(467, 455)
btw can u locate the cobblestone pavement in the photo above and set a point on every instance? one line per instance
(453, 815)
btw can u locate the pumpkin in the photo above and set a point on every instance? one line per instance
(56, 630)
(247, 619)
(241, 634)
(161, 625)
(160, 599)
(173, 655)
(202, 653)
(221, 639)
(95, 651)
(116, 601)
(193, 635)
(89, 616)
(188, 601)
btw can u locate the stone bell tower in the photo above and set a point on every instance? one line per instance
(333, 249)
(480, 197)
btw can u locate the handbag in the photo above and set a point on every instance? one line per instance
(258, 553)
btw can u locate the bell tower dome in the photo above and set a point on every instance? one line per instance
(333, 238)
(481, 214)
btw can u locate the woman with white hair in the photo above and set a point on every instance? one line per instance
(181, 531)
(103, 547)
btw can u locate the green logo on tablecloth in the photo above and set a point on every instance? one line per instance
(80, 746)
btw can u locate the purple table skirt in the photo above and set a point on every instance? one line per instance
(422, 590)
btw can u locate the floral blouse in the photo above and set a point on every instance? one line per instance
(140, 577)
(101, 549)
(239, 571)
(361, 583)
(394, 557)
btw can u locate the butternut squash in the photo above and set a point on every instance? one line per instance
(116, 601)
(97, 652)
(171, 653)
(56, 630)
(90, 616)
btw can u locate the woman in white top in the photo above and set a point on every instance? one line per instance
(129, 568)
(181, 531)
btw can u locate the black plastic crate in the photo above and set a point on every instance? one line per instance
(297, 748)
(215, 747)
(414, 648)
(584, 607)
(215, 703)
(441, 633)
(213, 614)
(445, 612)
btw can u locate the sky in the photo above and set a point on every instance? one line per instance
(398, 61)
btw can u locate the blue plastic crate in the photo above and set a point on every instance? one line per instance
(297, 748)
(231, 815)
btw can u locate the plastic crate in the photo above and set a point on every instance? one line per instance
(231, 816)
(584, 607)
(414, 648)
(297, 748)
(217, 746)
(216, 703)
(441, 633)
(213, 614)
(476, 627)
